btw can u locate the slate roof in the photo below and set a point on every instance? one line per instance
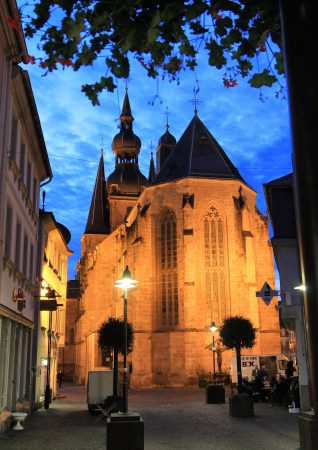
(279, 195)
(197, 154)
(98, 217)
(152, 170)
(286, 180)
(126, 110)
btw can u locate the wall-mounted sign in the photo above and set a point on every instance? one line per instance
(48, 305)
(18, 296)
(267, 293)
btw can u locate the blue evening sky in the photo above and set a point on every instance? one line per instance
(254, 134)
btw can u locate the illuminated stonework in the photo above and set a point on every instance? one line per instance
(199, 248)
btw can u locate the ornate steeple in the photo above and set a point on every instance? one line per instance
(126, 145)
(98, 217)
(126, 178)
(126, 115)
(152, 170)
(166, 144)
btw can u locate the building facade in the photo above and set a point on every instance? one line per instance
(279, 196)
(194, 239)
(24, 166)
(50, 305)
(67, 364)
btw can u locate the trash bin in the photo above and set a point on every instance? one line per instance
(215, 393)
(241, 405)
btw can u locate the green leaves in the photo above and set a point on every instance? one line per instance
(93, 90)
(111, 335)
(222, 25)
(164, 35)
(262, 79)
(74, 28)
(238, 331)
(216, 55)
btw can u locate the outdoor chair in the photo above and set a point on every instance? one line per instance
(104, 412)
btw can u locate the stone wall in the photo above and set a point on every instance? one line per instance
(172, 356)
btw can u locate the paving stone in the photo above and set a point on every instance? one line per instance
(174, 419)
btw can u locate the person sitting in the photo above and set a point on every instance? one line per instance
(281, 390)
(272, 387)
(257, 387)
(247, 386)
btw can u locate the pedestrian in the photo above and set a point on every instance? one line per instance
(290, 369)
(255, 371)
(273, 386)
(60, 377)
(262, 374)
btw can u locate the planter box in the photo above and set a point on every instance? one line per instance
(125, 431)
(241, 405)
(215, 394)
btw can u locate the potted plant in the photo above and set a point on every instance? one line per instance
(111, 337)
(238, 332)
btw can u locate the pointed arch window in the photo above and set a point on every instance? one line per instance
(214, 264)
(168, 270)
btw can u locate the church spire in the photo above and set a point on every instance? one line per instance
(126, 118)
(98, 217)
(152, 170)
(126, 145)
(126, 178)
(166, 144)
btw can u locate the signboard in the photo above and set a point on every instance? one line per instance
(267, 293)
(48, 305)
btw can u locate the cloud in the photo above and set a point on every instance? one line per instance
(255, 135)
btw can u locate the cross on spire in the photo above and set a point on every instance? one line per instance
(195, 101)
(167, 117)
(102, 146)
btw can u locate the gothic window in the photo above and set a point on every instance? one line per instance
(168, 270)
(214, 264)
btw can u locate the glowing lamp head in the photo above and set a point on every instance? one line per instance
(301, 287)
(213, 327)
(126, 282)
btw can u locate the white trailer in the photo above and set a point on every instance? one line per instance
(274, 364)
(99, 386)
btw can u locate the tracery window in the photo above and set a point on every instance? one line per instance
(168, 269)
(214, 264)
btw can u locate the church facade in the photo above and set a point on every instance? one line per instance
(192, 236)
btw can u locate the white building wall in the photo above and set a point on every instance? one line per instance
(23, 165)
(287, 258)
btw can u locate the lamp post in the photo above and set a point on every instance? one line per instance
(125, 283)
(213, 328)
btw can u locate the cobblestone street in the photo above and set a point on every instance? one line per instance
(174, 419)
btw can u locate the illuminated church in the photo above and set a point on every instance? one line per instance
(194, 239)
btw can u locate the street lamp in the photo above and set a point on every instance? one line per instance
(213, 328)
(125, 283)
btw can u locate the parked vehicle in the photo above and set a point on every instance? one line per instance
(99, 387)
(275, 365)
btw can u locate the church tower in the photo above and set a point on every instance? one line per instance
(97, 225)
(125, 184)
(166, 144)
(197, 244)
